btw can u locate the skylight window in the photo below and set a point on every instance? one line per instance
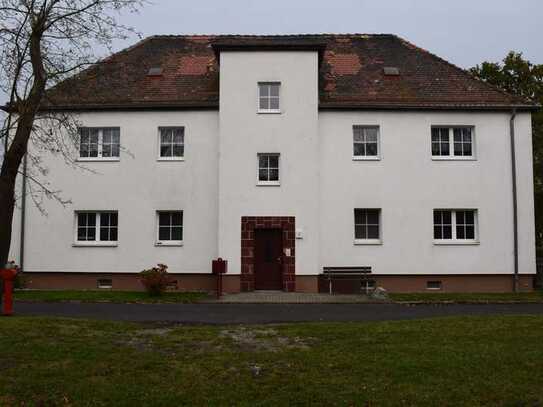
(391, 71)
(154, 71)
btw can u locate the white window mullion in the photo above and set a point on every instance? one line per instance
(451, 143)
(453, 225)
(97, 226)
(100, 141)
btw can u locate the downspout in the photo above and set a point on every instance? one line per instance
(23, 218)
(515, 210)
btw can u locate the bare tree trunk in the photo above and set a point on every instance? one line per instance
(14, 155)
(7, 203)
(8, 178)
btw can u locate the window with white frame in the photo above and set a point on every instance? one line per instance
(455, 225)
(268, 169)
(268, 97)
(453, 142)
(366, 142)
(172, 143)
(170, 227)
(97, 226)
(99, 143)
(367, 224)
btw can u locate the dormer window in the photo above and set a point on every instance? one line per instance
(154, 71)
(268, 97)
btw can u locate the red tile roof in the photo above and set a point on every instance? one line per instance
(351, 75)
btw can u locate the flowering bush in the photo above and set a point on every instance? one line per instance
(155, 280)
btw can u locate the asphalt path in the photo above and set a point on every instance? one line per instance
(266, 313)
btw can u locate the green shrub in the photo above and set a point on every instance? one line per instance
(155, 280)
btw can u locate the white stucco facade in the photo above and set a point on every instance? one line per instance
(320, 184)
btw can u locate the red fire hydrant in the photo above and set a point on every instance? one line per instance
(8, 276)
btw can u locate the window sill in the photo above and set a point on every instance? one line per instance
(367, 242)
(270, 111)
(456, 242)
(93, 159)
(366, 158)
(268, 184)
(170, 159)
(453, 158)
(95, 244)
(169, 244)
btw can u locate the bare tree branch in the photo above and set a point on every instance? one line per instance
(43, 42)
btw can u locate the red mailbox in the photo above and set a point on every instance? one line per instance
(8, 277)
(219, 267)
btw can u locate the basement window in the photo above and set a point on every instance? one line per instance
(433, 285)
(105, 283)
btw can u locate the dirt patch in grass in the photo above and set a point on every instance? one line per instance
(142, 339)
(264, 339)
(165, 339)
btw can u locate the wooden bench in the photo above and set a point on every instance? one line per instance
(357, 273)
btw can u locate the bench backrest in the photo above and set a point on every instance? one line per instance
(347, 270)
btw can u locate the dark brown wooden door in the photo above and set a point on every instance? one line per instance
(268, 254)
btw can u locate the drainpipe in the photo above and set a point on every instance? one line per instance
(23, 218)
(514, 185)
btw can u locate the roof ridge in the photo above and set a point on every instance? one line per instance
(301, 35)
(465, 71)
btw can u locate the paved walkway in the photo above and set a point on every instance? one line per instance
(266, 313)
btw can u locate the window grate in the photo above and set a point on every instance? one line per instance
(434, 285)
(104, 283)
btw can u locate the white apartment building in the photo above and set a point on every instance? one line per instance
(285, 155)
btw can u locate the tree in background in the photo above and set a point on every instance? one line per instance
(42, 42)
(518, 76)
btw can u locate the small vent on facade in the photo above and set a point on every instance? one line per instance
(433, 285)
(154, 71)
(105, 283)
(391, 71)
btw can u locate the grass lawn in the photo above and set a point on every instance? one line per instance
(180, 297)
(439, 362)
(536, 296)
(106, 296)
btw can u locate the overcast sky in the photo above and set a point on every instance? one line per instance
(465, 32)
